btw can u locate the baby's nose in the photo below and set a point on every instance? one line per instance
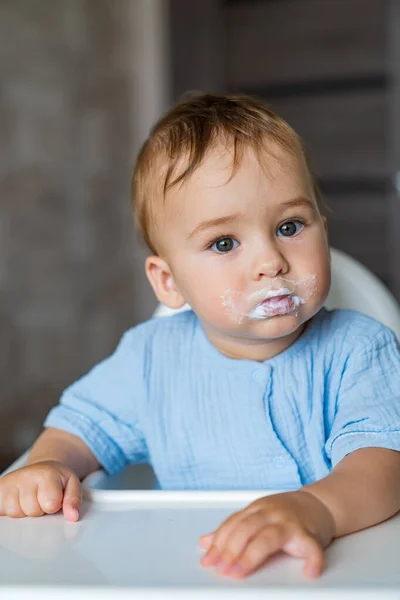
(272, 268)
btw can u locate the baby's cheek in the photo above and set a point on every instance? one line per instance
(323, 280)
(315, 291)
(215, 311)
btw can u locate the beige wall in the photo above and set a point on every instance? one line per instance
(82, 80)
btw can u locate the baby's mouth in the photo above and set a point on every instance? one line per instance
(278, 305)
(277, 302)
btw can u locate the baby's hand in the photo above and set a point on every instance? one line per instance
(293, 522)
(43, 487)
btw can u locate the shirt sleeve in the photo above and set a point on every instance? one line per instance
(368, 402)
(103, 407)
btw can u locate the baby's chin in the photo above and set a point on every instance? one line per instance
(280, 325)
(275, 327)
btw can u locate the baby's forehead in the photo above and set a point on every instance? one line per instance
(221, 167)
(218, 173)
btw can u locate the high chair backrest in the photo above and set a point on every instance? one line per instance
(354, 287)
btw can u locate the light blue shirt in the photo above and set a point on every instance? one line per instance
(205, 421)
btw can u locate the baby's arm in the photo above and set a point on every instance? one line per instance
(96, 421)
(63, 447)
(51, 478)
(362, 490)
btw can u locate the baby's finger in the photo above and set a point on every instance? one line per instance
(29, 502)
(205, 541)
(50, 495)
(72, 498)
(213, 554)
(267, 542)
(249, 526)
(305, 546)
(11, 505)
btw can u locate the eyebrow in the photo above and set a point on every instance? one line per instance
(204, 225)
(300, 201)
(214, 223)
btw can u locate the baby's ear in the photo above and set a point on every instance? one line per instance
(162, 281)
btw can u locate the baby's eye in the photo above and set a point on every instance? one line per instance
(290, 228)
(224, 245)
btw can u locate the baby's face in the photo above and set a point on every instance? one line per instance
(249, 254)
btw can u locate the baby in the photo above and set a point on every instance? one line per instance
(258, 387)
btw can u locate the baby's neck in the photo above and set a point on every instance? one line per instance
(252, 349)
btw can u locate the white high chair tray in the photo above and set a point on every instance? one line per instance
(144, 544)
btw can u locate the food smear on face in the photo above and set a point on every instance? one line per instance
(275, 299)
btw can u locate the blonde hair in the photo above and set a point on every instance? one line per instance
(180, 140)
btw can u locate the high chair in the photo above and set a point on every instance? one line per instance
(134, 541)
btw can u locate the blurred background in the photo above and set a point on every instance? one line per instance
(81, 83)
